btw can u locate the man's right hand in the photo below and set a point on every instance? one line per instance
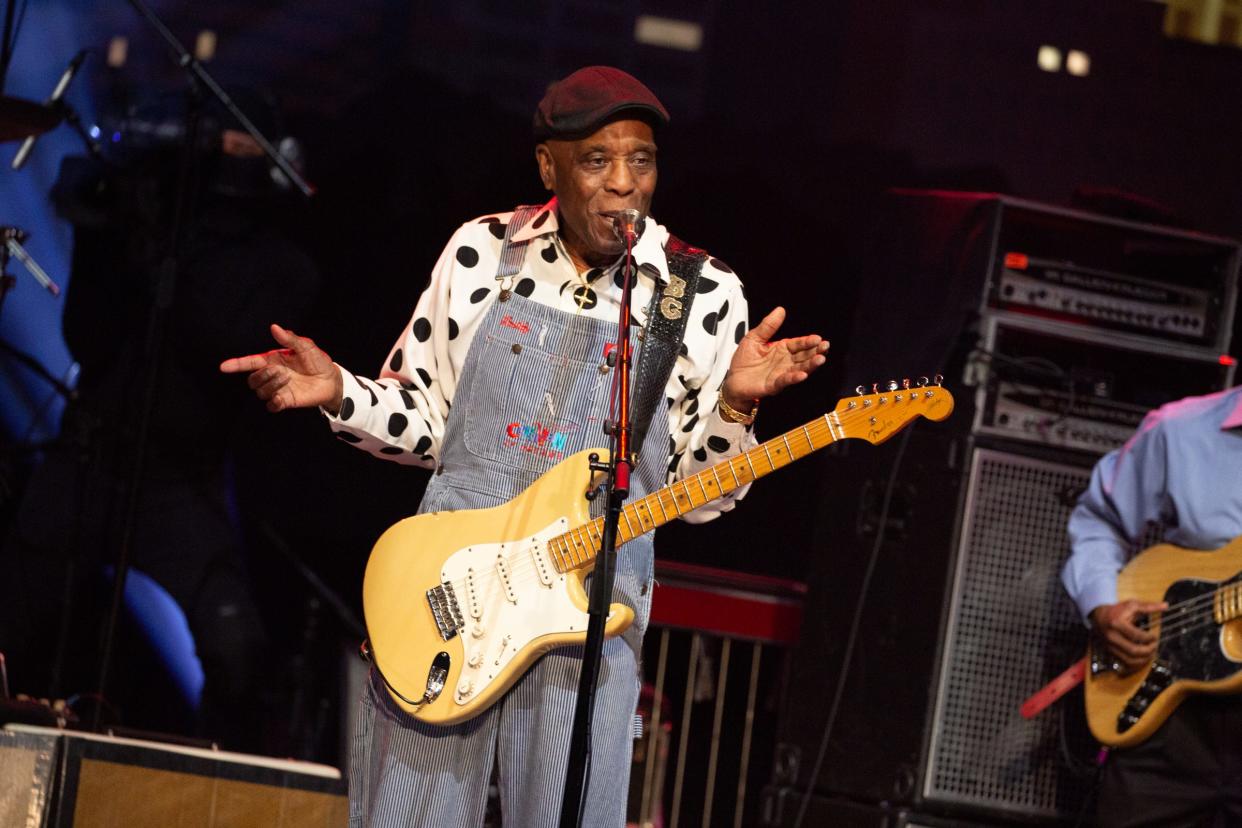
(1129, 643)
(298, 375)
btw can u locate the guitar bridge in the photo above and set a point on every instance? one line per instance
(445, 610)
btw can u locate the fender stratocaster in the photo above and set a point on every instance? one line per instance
(460, 604)
(1199, 648)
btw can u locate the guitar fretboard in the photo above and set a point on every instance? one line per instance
(578, 547)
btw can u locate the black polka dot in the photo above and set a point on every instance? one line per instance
(407, 399)
(685, 383)
(719, 265)
(397, 359)
(479, 295)
(724, 310)
(422, 445)
(467, 256)
(347, 409)
(424, 376)
(670, 405)
(347, 437)
(693, 407)
(740, 332)
(422, 329)
(525, 288)
(489, 220)
(498, 230)
(585, 298)
(684, 351)
(566, 284)
(391, 450)
(674, 463)
(649, 270)
(689, 426)
(453, 329)
(706, 285)
(426, 458)
(672, 443)
(594, 273)
(540, 221)
(700, 454)
(397, 423)
(718, 444)
(709, 323)
(549, 252)
(692, 393)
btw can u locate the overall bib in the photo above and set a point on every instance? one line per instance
(532, 392)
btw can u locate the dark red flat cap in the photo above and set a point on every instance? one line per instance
(576, 106)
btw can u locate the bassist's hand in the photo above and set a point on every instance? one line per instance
(1117, 626)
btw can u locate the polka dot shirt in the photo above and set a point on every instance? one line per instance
(401, 415)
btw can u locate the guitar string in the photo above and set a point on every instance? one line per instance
(525, 569)
(1191, 613)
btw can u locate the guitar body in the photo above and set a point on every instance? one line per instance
(1202, 654)
(514, 604)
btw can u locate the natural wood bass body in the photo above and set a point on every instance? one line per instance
(460, 604)
(1200, 641)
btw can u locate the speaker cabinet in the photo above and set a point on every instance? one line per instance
(61, 779)
(963, 619)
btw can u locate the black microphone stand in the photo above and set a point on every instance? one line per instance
(165, 290)
(617, 468)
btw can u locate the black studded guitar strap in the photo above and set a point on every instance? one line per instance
(665, 331)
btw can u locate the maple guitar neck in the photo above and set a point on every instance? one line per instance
(875, 418)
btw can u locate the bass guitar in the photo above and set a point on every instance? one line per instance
(1199, 648)
(469, 600)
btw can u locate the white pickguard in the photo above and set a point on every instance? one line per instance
(510, 594)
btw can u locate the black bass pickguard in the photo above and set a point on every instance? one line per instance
(1189, 649)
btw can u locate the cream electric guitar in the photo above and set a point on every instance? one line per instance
(1199, 648)
(459, 605)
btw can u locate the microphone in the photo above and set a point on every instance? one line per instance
(23, 151)
(628, 224)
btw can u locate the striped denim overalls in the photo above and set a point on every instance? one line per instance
(531, 392)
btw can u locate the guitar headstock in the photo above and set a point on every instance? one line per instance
(877, 416)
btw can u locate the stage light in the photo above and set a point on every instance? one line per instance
(1078, 63)
(118, 52)
(671, 34)
(205, 45)
(1049, 58)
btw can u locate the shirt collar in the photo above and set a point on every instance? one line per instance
(649, 250)
(1234, 418)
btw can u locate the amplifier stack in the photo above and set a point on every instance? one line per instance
(1057, 330)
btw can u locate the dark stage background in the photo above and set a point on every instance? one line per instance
(788, 125)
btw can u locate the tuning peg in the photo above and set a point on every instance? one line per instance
(875, 388)
(923, 382)
(892, 385)
(905, 383)
(860, 390)
(939, 379)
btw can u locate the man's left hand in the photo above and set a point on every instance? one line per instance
(762, 366)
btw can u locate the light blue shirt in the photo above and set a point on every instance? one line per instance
(1182, 468)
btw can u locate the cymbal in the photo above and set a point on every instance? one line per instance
(20, 118)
